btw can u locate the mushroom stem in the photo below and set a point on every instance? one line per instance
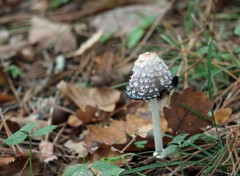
(156, 128)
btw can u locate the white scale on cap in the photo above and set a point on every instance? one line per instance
(150, 76)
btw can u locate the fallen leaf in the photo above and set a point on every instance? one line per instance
(77, 147)
(33, 118)
(40, 6)
(6, 160)
(46, 33)
(103, 98)
(2, 78)
(129, 145)
(103, 72)
(144, 130)
(86, 45)
(114, 133)
(107, 72)
(222, 115)
(107, 153)
(122, 20)
(4, 98)
(182, 120)
(7, 51)
(46, 151)
(74, 121)
(144, 113)
(16, 166)
(88, 116)
(133, 123)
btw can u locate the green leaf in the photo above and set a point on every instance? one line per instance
(107, 169)
(78, 170)
(202, 51)
(16, 138)
(169, 39)
(116, 158)
(57, 3)
(106, 37)
(208, 137)
(14, 71)
(134, 37)
(28, 128)
(140, 144)
(178, 139)
(237, 30)
(148, 21)
(191, 140)
(170, 150)
(44, 130)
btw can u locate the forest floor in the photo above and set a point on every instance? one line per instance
(67, 63)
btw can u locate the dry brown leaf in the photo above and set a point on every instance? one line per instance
(222, 115)
(46, 151)
(74, 121)
(15, 167)
(40, 6)
(133, 123)
(105, 151)
(2, 78)
(130, 146)
(4, 98)
(77, 147)
(103, 71)
(114, 133)
(6, 160)
(182, 120)
(122, 20)
(7, 51)
(103, 98)
(144, 130)
(88, 116)
(86, 45)
(48, 33)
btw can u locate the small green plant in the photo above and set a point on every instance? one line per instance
(141, 144)
(85, 169)
(26, 132)
(135, 35)
(57, 3)
(179, 142)
(14, 71)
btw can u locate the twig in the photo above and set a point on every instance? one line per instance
(8, 132)
(24, 167)
(44, 83)
(125, 148)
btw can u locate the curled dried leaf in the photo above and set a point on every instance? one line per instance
(103, 98)
(222, 115)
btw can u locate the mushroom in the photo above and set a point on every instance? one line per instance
(150, 77)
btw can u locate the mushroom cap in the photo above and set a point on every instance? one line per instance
(150, 76)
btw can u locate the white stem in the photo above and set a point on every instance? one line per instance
(156, 126)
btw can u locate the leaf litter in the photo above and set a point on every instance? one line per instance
(95, 120)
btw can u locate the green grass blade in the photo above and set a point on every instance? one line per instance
(210, 84)
(210, 69)
(197, 113)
